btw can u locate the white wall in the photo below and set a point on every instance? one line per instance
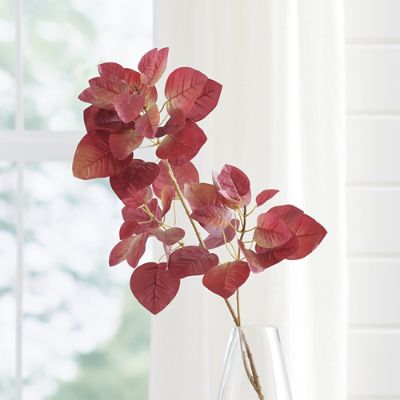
(373, 162)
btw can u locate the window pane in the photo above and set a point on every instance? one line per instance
(7, 64)
(7, 280)
(80, 320)
(64, 41)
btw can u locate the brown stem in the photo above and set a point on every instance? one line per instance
(252, 376)
(185, 206)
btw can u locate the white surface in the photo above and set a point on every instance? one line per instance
(373, 19)
(281, 119)
(374, 144)
(372, 78)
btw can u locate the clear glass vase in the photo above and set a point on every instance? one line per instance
(254, 367)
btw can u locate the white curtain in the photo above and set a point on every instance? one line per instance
(281, 120)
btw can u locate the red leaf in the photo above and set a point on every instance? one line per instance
(135, 177)
(287, 213)
(170, 236)
(212, 217)
(309, 234)
(218, 237)
(153, 286)
(147, 123)
(206, 102)
(186, 173)
(152, 65)
(93, 158)
(139, 215)
(191, 260)
(122, 143)
(183, 87)
(111, 71)
(265, 195)
(104, 120)
(234, 186)
(226, 278)
(174, 124)
(185, 144)
(201, 195)
(131, 249)
(128, 106)
(167, 197)
(138, 198)
(265, 258)
(271, 231)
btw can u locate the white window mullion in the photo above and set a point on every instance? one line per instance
(19, 126)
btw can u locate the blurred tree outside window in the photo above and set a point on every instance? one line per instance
(83, 335)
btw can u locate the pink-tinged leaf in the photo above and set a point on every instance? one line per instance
(93, 158)
(185, 143)
(182, 89)
(101, 92)
(287, 213)
(154, 286)
(138, 198)
(128, 106)
(218, 237)
(206, 102)
(212, 217)
(147, 123)
(191, 260)
(152, 65)
(309, 234)
(184, 174)
(174, 124)
(128, 229)
(271, 231)
(234, 186)
(265, 195)
(131, 249)
(265, 258)
(136, 176)
(201, 195)
(122, 143)
(169, 236)
(139, 215)
(167, 197)
(111, 71)
(97, 119)
(225, 279)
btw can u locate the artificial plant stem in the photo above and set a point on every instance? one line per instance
(185, 206)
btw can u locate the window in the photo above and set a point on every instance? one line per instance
(69, 327)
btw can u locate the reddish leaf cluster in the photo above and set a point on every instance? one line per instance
(123, 114)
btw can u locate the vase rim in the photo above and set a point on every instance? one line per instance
(257, 326)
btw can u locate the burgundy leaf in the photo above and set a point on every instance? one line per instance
(201, 195)
(135, 177)
(212, 216)
(183, 145)
(138, 198)
(234, 186)
(265, 195)
(309, 234)
(226, 278)
(206, 102)
(287, 213)
(154, 286)
(147, 123)
(93, 158)
(182, 89)
(169, 236)
(122, 143)
(186, 173)
(219, 236)
(191, 260)
(152, 65)
(167, 197)
(174, 124)
(131, 249)
(128, 106)
(271, 231)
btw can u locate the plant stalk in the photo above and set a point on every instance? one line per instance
(247, 355)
